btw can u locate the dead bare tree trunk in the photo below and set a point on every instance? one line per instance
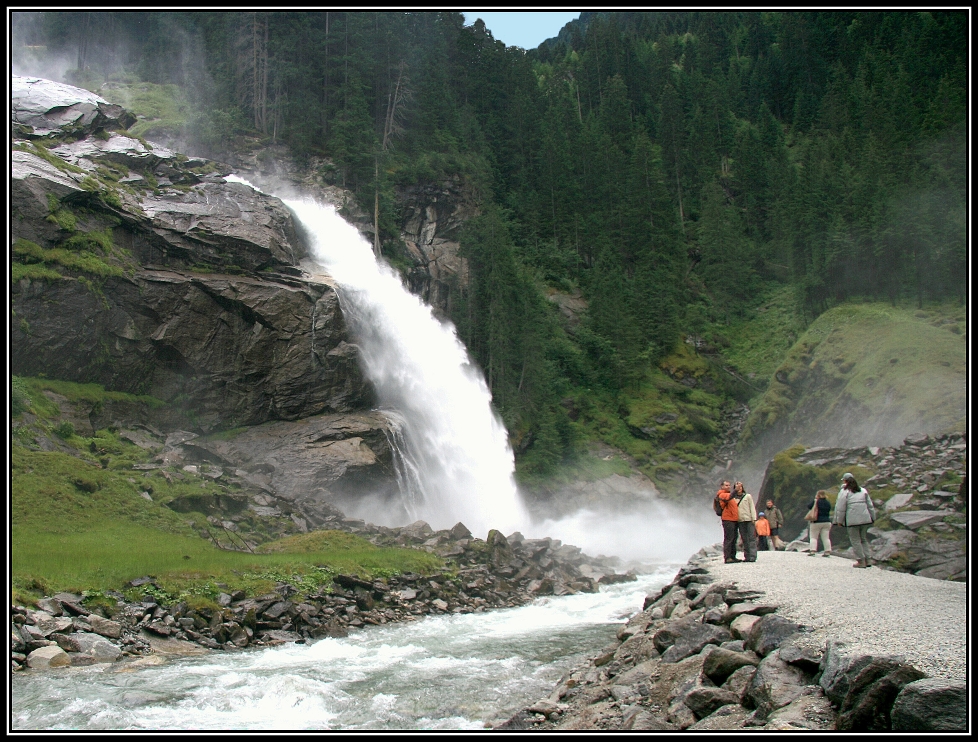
(377, 206)
(392, 127)
(259, 70)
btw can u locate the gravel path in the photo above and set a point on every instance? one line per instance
(874, 611)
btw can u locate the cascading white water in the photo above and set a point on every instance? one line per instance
(448, 672)
(458, 463)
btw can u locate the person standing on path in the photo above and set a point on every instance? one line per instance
(729, 519)
(746, 515)
(776, 519)
(822, 525)
(854, 509)
(763, 528)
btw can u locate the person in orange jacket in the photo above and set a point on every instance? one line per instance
(729, 519)
(763, 531)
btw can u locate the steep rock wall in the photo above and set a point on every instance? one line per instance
(145, 271)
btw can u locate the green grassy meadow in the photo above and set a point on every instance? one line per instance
(80, 523)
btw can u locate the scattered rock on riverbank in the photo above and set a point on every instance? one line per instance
(497, 572)
(704, 655)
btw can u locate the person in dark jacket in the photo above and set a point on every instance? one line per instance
(822, 525)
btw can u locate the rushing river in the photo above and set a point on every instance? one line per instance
(452, 672)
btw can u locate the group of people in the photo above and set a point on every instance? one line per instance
(854, 511)
(741, 521)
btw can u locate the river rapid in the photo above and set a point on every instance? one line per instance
(450, 672)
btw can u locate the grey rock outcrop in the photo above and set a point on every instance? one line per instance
(42, 107)
(244, 350)
(146, 272)
(334, 458)
(432, 217)
(864, 687)
(206, 301)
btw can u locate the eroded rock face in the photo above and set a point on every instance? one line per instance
(247, 342)
(159, 277)
(330, 458)
(433, 216)
(245, 350)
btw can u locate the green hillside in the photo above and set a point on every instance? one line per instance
(866, 374)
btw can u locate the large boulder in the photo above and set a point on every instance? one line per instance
(931, 705)
(689, 640)
(704, 700)
(40, 108)
(101, 649)
(333, 458)
(776, 684)
(721, 663)
(864, 687)
(46, 657)
(769, 631)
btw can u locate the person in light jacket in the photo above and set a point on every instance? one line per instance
(854, 509)
(746, 515)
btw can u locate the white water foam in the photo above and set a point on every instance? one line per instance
(444, 672)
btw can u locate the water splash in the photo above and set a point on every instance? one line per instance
(457, 463)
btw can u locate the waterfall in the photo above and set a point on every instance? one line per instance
(455, 463)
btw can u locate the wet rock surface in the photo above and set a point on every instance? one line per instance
(41, 107)
(769, 679)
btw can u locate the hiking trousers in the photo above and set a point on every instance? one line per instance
(729, 539)
(817, 531)
(859, 538)
(748, 534)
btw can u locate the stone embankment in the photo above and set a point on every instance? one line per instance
(705, 655)
(497, 572)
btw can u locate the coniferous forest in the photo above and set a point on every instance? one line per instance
(672, 167)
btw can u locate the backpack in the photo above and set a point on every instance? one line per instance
(717, 505)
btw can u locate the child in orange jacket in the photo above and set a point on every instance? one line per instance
(763, 528)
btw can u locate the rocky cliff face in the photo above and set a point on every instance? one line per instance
(431, 217)
(145, 271)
